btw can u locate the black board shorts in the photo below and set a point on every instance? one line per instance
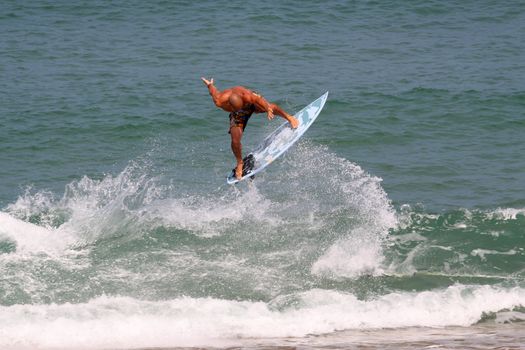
(241, 117)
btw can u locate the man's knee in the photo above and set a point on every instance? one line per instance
(236, 132)
(236, 138)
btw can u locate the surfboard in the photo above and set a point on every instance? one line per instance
(278, 142)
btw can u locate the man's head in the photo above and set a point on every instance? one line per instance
(236, 101)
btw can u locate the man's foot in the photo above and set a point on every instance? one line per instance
(238, 171)
(293, 122)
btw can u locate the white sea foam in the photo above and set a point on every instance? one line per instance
(482, 252)
(93, 209)
(349, 211)
(30, 238)
(208, 217)
(134, 202)
(351, 257)
(352, 204)
(507, 213)
(121, 322)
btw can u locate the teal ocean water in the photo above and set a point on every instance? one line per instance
(397, 221)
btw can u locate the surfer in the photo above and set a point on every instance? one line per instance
(242, 103)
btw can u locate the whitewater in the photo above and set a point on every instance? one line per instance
(124, 262)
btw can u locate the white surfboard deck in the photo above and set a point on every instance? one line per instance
(281, 139)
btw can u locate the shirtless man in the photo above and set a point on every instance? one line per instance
(242, 103)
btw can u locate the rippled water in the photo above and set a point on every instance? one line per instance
(403, 207)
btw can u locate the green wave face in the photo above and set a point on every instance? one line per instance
(466, 246)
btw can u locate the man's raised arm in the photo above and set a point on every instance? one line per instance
(272, 109)
(262, 105)
(212, 89)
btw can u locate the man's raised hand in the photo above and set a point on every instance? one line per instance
(207, 82)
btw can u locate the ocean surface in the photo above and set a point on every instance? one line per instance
(398, 220)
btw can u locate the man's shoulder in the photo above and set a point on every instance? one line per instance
(241, 88)
(246, 91)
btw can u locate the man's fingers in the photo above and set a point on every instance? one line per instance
(206, 81)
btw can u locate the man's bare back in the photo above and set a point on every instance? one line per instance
(241, 103)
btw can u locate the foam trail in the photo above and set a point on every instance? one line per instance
(120, 322)
(358, 208)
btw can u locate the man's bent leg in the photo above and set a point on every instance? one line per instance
(236, 135)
